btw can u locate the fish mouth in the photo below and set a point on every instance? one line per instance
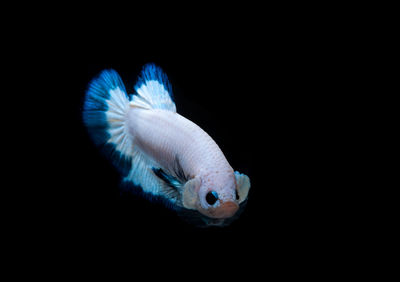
(225, 210)
(197, 219)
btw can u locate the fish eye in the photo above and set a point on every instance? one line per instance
(211, 197)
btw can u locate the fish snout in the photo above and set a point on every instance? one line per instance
(225, 210)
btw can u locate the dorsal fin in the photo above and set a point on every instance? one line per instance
(153, 89)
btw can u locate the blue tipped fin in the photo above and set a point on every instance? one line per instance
(104, 113)
(154, 182)
(153, 89)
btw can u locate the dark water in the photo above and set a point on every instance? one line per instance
(264, 104)
(260, 120)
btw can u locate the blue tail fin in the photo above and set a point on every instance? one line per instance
(104, 113)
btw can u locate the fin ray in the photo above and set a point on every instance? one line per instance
(146, 174)
(105, 107)
(105, 115)
(153, 89)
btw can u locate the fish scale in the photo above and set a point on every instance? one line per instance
(199, 154)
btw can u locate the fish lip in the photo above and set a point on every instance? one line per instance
(200, 220)
(225, 210)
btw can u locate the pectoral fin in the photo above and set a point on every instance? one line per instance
(190, 196)
(243, 185)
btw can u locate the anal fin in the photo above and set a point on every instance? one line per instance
(153, 180)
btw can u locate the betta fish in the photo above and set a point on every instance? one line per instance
(160, 154)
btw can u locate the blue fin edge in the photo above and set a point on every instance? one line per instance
(94, 117)
(150, 72)
(128, 186)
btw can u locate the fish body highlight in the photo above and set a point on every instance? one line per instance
(160, 152)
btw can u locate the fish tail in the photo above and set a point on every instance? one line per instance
(104, 113)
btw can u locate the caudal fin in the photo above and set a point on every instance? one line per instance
(104, 114)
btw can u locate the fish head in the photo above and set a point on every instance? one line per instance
(214, 195)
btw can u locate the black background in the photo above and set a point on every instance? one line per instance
(265, 96)
(258, 103)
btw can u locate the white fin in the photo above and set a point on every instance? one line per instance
(243, 185)
(139, 102)
(118, 106)
(104, 114)
(190, 196)
(142, 174)
(153, 89)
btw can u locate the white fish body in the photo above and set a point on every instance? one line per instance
(165, 154)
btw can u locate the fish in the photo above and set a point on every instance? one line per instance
(160, 154)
